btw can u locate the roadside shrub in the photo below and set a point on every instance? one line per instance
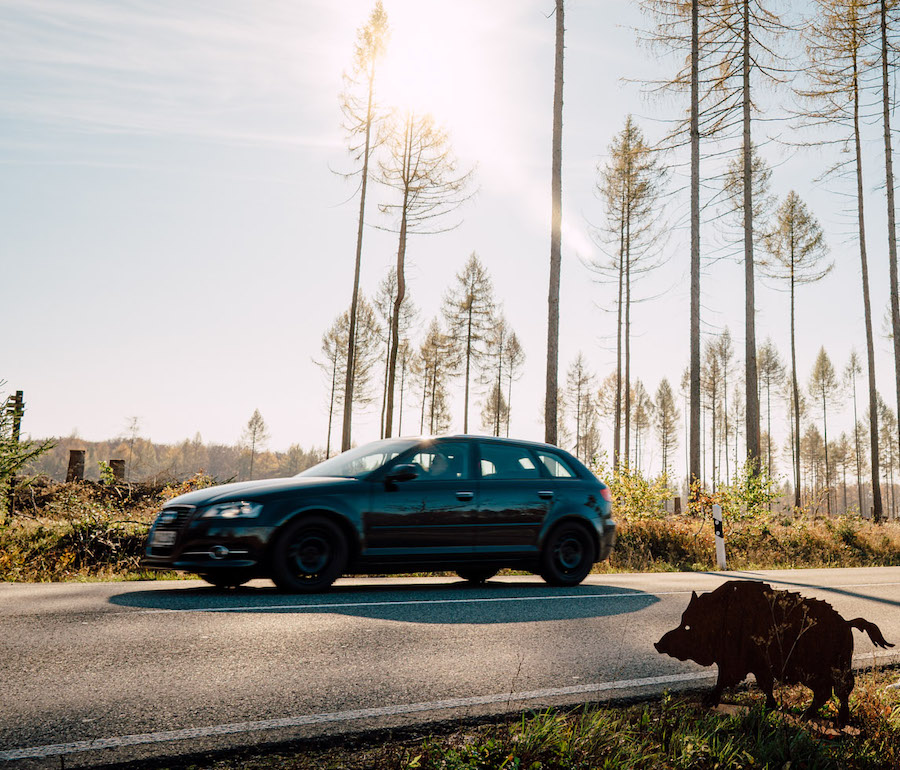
(634, 495)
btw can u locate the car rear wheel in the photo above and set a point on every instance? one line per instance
(309, 556)
(476, 574)
(226, 578)
(568, 555)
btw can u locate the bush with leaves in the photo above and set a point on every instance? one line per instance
(634, 495)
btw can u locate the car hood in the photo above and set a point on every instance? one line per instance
(253, 490)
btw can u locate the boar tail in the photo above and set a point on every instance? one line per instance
(871, 629)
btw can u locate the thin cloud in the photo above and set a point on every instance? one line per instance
(174, 69)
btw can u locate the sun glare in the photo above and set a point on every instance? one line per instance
(455, 64)
(432, 65)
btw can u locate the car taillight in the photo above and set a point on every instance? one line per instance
(606, 494)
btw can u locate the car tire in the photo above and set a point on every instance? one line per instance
(568, 555)
(476, 574)
(227, 578)
(309, 555)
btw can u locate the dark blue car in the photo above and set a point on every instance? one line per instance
(468, 504)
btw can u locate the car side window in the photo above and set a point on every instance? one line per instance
(556, 466)
(507, 462)
(443, 462)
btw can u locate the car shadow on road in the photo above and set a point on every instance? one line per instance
(451, 603)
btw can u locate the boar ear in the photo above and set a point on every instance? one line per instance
(693, 596)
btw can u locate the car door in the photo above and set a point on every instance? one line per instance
(515, 499)
(434, 515)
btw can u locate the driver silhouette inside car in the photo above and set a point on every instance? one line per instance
(441, 468)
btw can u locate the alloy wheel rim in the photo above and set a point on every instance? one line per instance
(311, 554)
(570, 553)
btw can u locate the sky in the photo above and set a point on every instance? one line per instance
(177, 232)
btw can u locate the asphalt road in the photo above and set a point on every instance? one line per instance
(109, 672)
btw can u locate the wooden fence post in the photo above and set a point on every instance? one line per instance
(75, 471)
(118, 469)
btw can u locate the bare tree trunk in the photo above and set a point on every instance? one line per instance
(400, 410)
(796, 393)
(387, 365)
(509, 401)
(889, 185)
(401, 287)
(844, 468)
(434, 377)
(617, 425)
(550, 405)
(499, 389)
(424, 398)
(330, 412)
(694, 469)
(827, 470)
(468, 359)
(725, 421)
(627, 383)
(351, 337)
(878, 509)
(859, 487)
(751, 391)
(715, 445)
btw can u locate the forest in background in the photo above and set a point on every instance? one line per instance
(146, 461)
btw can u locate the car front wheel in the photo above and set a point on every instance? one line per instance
(309, 556)
(568, 555)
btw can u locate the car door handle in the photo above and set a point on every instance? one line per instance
(545, 494)
(465, 495)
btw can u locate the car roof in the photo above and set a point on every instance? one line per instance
(493, 439)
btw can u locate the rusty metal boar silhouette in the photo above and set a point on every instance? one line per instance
(748, 627)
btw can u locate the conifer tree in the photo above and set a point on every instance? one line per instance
(469, 313)
(823, 385)
(796, 256)
(630, 185)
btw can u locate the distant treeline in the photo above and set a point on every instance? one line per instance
(146, 460)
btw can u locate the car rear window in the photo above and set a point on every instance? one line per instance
(507, 462)
(556, 466)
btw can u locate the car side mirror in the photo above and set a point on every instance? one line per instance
(402, 472)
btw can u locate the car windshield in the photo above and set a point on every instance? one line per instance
(360, 461)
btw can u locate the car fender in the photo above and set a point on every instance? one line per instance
(342, 515)
(552, 522)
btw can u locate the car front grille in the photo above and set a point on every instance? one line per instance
(172, 519)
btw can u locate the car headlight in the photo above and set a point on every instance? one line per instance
(235, 510)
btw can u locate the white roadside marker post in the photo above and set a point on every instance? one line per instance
(720, 536)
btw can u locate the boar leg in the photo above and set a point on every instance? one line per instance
(766, 682)
(822, 689)
(843, 686)
(728, 677)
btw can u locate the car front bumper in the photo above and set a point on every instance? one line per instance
(203, 546)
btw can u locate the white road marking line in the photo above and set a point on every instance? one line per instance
(166, 736)
(472, 600)
(39, 752)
